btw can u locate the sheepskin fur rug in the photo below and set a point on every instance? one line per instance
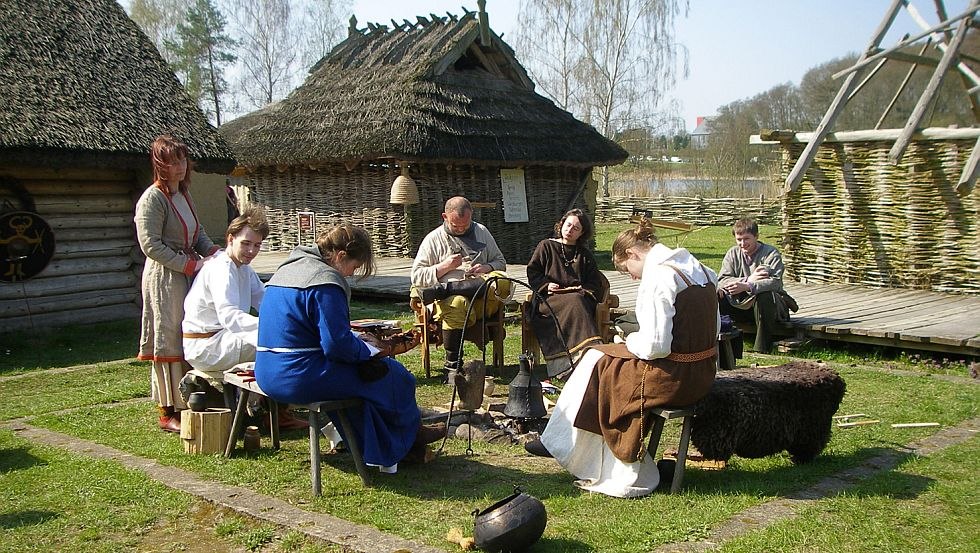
(757, 412)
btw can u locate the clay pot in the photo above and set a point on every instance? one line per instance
(198, 401)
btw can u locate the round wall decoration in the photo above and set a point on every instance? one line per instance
(26, 245)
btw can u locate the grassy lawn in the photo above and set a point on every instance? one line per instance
(59, 501)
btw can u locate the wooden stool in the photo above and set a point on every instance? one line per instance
(663, 414)
(248, 386)
(339, 406)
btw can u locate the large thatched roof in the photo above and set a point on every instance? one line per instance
(82, 85)
(432, 90)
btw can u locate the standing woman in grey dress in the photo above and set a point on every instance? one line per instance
(175, 245)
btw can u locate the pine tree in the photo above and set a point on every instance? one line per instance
(202, 50)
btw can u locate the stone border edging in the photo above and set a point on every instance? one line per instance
(322, 526)
(766, 514)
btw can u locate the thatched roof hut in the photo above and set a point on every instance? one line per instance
(443, 97)
(85, 92)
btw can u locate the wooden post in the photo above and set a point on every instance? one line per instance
(205, 432)
(950, 56)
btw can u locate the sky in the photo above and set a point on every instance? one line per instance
(736, 48)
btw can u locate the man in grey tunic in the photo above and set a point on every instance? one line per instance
(750, 283)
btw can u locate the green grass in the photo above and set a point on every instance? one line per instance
(53, 500)
(105, 403)
(67, 346)
(708, 244)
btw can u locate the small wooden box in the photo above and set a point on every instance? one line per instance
(205, 432)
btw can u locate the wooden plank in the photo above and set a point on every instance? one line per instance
(79, 188)
(87, 265)
(51, 205)
(40, 173)
(98, 220)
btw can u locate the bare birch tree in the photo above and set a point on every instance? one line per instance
(621, 53)
(323, 26)
(269, 51)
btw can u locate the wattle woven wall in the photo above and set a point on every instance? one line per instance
(360, 196)
(856, 218)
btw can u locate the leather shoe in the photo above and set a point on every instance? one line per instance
(288, 422)
(170, 423)
(429, 433)
(535, 447)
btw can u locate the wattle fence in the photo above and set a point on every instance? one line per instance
(697, 210)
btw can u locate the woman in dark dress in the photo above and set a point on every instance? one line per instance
(564, 272)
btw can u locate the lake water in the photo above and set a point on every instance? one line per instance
(689, 187)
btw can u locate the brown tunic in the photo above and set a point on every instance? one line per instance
(622, 385)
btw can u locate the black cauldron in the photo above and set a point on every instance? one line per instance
(511, 524)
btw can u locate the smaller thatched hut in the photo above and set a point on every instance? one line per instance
(85, 92)
(443, 99)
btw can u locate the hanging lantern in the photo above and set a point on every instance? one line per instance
(403, 190)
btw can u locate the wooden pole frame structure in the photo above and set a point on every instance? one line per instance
(949, 59)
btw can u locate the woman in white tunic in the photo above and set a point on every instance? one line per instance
(597, 429)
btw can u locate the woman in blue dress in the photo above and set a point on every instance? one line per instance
(307, 352)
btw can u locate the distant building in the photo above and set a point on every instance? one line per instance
(699, 136)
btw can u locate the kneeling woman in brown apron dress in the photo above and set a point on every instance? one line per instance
(596, 431)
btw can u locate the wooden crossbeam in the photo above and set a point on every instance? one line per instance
(837, 106)
(925, 100)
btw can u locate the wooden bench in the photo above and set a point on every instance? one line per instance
(247, 385)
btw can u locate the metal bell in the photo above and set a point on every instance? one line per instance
(524, 399)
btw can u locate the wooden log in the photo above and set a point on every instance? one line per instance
(205, 432)
(74, 317)
(87, 265)
(83, 204)
(66, 302)
(67, 249)
(107, 220)
(68, 284)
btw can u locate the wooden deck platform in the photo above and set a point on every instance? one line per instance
(909, 319)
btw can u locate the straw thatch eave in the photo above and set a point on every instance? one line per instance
(419, 93)
(82, 85)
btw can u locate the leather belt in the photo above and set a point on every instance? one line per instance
(693, 357)
(200, 334)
